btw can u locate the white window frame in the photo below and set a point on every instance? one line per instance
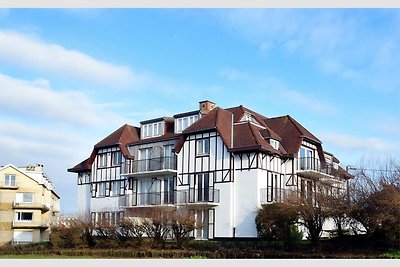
(102, 160)
(102, 189)
(203, 146)
(115, 188)
(10, 180)
(116, 155)
(19, 197)
(185, 122)
(274, 143)
(152, 129)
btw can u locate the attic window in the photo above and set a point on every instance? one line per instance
(274, 143)
(247, 117)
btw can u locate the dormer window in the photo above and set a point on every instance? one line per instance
(183, 123)
(274, 143)
(247, 117)
(152, 129)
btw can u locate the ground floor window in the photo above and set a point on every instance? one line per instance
(21, 237)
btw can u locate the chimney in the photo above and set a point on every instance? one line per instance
(205, 106)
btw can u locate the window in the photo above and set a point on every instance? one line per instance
(24, 198)
(116, 188)
(102, 160)
(9, 180)
(183, 123)
(203, 187)
(274, 143)
(157, 129)
(116, 158)
(306, 159)
(203, 147)
(179, 126)
(153, 129)
(102, 189)
(24, 216)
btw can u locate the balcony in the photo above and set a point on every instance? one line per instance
(29, 224)
(314, 168)
(4, 185)
(198, 197)
(31, 205)
(269, 196)
(154, 166)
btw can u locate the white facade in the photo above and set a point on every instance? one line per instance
(222, 187)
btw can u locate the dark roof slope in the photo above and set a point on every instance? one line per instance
(239, 111)
(81, 167)
(123, 135)
(120, 137)
(248, 137)
(217, 119)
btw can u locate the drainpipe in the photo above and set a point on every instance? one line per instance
(233, 187)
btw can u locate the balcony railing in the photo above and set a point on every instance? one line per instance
(179, 197)
(314, 164)
(269, 195)
(30, 224)
(148, 165)
(32, 205)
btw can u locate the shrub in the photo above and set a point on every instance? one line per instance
(204, 245)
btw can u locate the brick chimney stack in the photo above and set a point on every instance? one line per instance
(205, 106)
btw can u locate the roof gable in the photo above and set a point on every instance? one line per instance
(217, 119)
(123, 135)
(292, 133)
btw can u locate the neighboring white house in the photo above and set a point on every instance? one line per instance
(221, 164)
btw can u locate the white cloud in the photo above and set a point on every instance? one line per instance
(338, 43)
(37, 100)
(36, 54)
(353, 142)
(280, 90)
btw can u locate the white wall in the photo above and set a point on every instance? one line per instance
(223, 212)
(83, 199)
(247, 199)
(103, 204)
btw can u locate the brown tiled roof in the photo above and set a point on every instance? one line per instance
(290, 131)
(120, 137)
(248, 137)
(217, 119)
(239, 111)
(123, 135)
(81, 167)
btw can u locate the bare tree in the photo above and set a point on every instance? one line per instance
(157, 226)
(182, 223)
(375, 198)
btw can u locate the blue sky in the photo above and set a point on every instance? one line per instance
(69, 77)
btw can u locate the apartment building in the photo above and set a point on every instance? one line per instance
(221, 164)
(28, 203)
